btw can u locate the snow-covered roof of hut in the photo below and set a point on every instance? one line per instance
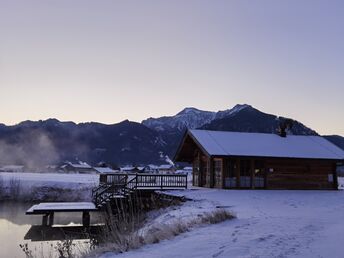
(166, 166)
(104, 169)
(219, 143)
(77, 165)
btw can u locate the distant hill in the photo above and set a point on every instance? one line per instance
(240, 118)
(38, 143)
(250, 119)
(48, 142)
(336, 139)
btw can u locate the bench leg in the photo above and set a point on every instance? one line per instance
(86, 219)
(45, 220)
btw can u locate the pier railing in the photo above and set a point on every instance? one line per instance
(145, 180)
(114, 185)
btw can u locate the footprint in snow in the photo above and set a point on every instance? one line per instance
(217, 254)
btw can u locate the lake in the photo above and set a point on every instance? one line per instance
(14, 226)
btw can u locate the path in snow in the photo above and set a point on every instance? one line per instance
(268, 224)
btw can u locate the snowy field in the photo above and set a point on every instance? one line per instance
(48, 186)
(50, 179)
(268, 224)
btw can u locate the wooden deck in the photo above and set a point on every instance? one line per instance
(112, 186)
(116, 185)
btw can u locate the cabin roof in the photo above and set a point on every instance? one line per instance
(220, 143)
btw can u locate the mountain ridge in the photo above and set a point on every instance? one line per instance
(51, 141)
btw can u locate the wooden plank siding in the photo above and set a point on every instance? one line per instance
(301, 174)
(274, 173)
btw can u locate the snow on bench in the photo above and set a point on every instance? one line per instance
(48, 207)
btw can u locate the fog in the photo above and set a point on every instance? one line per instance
(33, 150)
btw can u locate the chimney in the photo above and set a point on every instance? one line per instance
(285, 124)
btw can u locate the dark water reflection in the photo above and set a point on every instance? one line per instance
(15, 225)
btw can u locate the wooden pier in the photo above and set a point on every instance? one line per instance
(112, 187)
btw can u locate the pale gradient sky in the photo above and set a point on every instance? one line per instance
(107, 61)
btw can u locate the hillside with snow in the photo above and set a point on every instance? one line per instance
(190, 118)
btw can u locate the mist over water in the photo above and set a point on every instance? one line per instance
(33, 150)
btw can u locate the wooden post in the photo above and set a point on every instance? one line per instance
(45, 220)
(237, 161)
(200, 170)
(335, 178)
(86, 219)
(51, 218)
(252, 174)
(211, 173)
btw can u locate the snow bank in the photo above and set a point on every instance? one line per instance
(269, 224)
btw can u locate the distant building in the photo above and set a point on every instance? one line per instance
(102, 170)
(132, 169)
(151, 168)
(187, 170)
(81, 167)
(166, 169)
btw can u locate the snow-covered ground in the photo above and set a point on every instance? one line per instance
(48, 186)
(49, 179)
(268, 224)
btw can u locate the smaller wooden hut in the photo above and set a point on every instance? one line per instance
(256, 160)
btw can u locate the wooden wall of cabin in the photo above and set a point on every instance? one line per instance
(196, 170)
(218, 172)
(225, 172)
(201, 170)
(300, 174)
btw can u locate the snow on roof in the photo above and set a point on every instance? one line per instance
(151, 166)
(167, 166)
(266, 145)
(127, 168)
(79, 165)
(103, 169)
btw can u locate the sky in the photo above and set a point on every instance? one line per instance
(108, 60)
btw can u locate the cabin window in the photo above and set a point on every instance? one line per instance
(195, 172)
(204, 172)
(259, 174)
(218, 172)
(229, 174)
(245, 173)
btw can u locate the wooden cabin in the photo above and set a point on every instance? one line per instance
(260, 161)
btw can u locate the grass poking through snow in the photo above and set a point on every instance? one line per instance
(134, 240)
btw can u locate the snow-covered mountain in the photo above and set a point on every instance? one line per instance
(190, 118)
